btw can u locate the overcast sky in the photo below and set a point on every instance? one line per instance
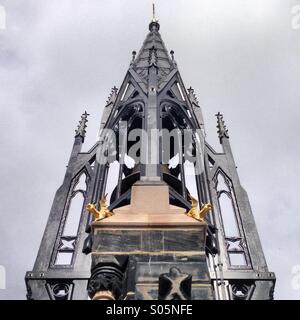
(61, 57)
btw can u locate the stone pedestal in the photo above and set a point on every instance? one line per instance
(153, 237)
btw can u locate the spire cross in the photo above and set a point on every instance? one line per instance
(85, 114)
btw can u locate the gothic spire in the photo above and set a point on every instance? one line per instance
(222, 130)
(80, 131)
(153, 52)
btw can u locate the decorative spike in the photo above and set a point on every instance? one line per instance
(153, 13)
(172, 54)
(82, 125)
(174, 64)
(154, 25)
(112, 96)
(192, 95)
(222, 130)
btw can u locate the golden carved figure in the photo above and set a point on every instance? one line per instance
(104, 211)
(197, 214)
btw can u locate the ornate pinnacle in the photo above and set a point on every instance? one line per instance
(112, 96)
(192, 95)
(82, 125)
(222, 130)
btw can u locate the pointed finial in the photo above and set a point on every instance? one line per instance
(172, 54)
(153, 12)
(82, 126)
(154, 25)
(190, 89)
(112, 96)
(174, 64)
(133, 57)
(222, 130)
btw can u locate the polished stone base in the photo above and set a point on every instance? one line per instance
(155, 238)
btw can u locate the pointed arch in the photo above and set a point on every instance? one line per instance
(232, 230)
(81, 183)
(75, 204)
(222, 184)
(228, 215)
(74, 214)
(66, 243)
